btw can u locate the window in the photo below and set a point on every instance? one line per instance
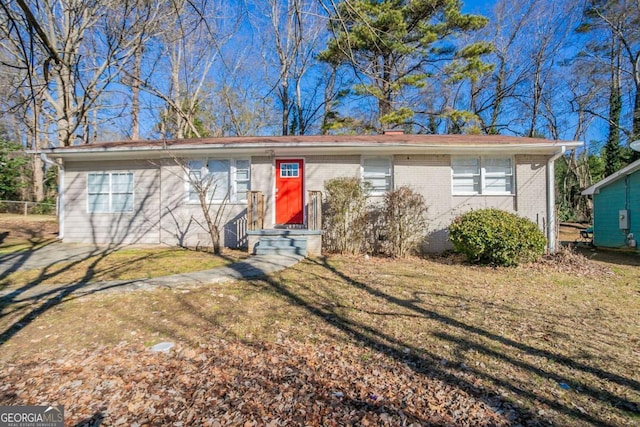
(466, 175)
(218, 179)
(377, 172)
(482, 175)
(110, 192)
(223, 179)
(289, 170)
(242, 179)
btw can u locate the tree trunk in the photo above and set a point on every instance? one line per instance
(384, 102)
(176, 95)
(135, 95)
(612, 149)
(38, 178)
(284, 98)
(537, 95)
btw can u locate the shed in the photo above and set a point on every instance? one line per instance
(616, 208)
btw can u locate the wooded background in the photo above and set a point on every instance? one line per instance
(81, 71)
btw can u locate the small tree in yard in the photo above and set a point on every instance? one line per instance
(493, 236)
(204, 185)
(345, 212)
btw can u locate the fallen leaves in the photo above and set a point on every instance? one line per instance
(232, 383)
(567, 260)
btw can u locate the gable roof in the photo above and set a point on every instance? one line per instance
(319, 144)
(628, 170)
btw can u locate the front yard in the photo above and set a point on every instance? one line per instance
(345, 341)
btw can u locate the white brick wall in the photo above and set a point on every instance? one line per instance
(162, 216)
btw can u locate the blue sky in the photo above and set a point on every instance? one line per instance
(482, 7)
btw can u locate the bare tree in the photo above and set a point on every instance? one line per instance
(183, 58)
(530, 40)
(204, 185)
(66, 54)
(72, 51)
(291, 37)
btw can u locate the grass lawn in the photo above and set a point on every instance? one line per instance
(120, 264)
(346, 341)
(21, 238)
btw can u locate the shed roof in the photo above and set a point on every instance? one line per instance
(628, 170)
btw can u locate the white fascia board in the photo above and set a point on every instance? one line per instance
(627, 170)
(158, 152)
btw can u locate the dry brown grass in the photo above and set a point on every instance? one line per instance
(558, 344)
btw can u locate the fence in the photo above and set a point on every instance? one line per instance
(27, 208)
(255, 210)
(314, 210)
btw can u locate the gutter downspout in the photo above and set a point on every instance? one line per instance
(60, 212)
(551, 200)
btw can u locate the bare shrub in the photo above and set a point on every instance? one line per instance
(345, 215)
(405, 222)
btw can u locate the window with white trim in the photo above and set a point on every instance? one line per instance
(482, 175)
(109, 192)
(289, 170)
(222, 179)
(377, 172)
(242, 181)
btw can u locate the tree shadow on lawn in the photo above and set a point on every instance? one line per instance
(428, 363)
(13, 261)
(50, 296)
(53, 295)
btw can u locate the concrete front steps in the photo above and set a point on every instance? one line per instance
(285, 242)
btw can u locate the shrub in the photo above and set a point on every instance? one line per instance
(47, 207)
(493, 236)
(405, 223)
(345, 215)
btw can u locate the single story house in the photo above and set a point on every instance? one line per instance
(616, 208)
(140, 191)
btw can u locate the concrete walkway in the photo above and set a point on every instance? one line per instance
(252, 267)
(46, 255)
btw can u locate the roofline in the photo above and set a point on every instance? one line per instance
(401, 144)
(627, 170)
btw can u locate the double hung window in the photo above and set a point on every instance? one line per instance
(377, 172)
(220, 179)
(110, 192)
(482, 175)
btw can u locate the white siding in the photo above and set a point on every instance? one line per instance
(183, 222)
(162, 214)
(139, 226)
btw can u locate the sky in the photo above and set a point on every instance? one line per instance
(482, 7)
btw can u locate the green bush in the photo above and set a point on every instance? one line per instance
(496, 237)
(47, 207)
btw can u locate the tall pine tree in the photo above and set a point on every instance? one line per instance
(393, 45)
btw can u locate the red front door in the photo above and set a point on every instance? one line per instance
(289, 192)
